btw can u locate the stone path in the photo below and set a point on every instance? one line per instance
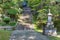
(27, 35)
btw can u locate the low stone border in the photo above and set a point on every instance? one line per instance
(6, 27)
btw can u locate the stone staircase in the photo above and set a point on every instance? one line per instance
(25, 20)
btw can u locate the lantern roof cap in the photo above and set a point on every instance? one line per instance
(49, 12)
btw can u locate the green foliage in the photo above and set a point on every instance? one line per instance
(57, 24)
(5, 35)
(42, 14)
(12, 11)
(6, 20)
(54, 38)
(12, 23)
(7, 5)
(15, 1)
(40, 6)
(32, 3)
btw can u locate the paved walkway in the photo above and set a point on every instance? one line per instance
(27, 35)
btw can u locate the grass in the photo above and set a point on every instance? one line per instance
(54, 38)
(4, 34)
(50, 37)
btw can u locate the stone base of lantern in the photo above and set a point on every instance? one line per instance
(50, 32)
(49, 29)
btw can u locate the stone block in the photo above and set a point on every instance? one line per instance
(51, 32)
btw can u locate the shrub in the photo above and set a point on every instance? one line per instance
(12, 23)
(40, 25)
(57, 24)
(6, 5)
(6, 20)
(12, 11)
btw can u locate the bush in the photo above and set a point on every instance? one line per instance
(40, 25)
(12, 23)
(57, 24)
(12, 11)
(6, 5)
(6, 20)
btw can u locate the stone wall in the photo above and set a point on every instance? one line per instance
(6, 27)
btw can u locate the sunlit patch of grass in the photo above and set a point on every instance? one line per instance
(5, 35)
(54, 38)
(39, 30)
(58, 35)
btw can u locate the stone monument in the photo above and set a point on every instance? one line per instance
(49, 29)
(26, 17)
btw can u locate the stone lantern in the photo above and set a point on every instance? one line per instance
(49, 21)
(24, 4)
(49, 16)
(49, 29)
